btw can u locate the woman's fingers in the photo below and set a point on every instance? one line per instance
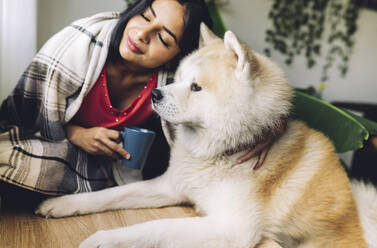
(116, 148)
(262, 148)
(256, 150)
(102, 149)
(262, 156)
(106, 143)
(114, 135)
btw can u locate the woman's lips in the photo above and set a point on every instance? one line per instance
(132, 46)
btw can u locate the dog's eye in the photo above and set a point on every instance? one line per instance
(195, 87)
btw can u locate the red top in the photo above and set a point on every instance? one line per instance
(96, 109)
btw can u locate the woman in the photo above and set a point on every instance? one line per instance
(88, 81)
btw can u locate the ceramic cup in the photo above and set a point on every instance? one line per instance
(137, 141)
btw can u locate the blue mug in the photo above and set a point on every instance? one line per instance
(137, 141)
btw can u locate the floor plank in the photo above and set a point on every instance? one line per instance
(21, 228)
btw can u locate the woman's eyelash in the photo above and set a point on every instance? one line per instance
(147, 19)
(163, 42)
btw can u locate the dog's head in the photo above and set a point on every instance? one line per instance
(226, 91)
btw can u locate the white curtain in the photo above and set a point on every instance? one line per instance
(18, 31)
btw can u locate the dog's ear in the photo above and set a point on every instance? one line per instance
(206, 35)
(233, 44)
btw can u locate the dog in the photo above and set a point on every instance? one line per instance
(225, 96)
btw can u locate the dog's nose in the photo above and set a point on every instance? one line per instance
(156, 95)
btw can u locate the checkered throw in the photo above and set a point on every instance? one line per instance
(34, 152)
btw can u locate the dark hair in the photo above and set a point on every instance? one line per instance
(196, 12)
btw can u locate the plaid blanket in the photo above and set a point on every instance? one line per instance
(34, 152)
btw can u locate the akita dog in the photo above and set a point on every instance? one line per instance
(224, 97)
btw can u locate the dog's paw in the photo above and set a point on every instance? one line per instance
(101, 239)
(59, 207)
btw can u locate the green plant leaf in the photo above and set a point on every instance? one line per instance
(218, 24)
(371, 126)
(346, 130)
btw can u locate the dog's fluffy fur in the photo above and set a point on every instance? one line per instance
(223, 98)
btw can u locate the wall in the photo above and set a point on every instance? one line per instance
(54, 15)
(248, 19)
(25, 25)
(17, 41)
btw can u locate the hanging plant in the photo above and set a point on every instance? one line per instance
(298, 27)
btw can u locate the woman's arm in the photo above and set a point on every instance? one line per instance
(96, 140)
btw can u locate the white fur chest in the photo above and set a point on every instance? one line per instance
(211, 185)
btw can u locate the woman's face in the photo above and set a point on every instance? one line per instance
(151, 39)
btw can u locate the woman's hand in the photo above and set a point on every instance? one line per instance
(262, 149)
(96, 141)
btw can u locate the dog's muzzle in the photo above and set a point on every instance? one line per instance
(156, 95)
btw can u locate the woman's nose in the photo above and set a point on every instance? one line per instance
(145, 32)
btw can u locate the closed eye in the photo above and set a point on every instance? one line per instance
(195, 87)
(145, 18)
(162, 40)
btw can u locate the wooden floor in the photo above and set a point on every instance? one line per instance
(20, 228)
(23, 229)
